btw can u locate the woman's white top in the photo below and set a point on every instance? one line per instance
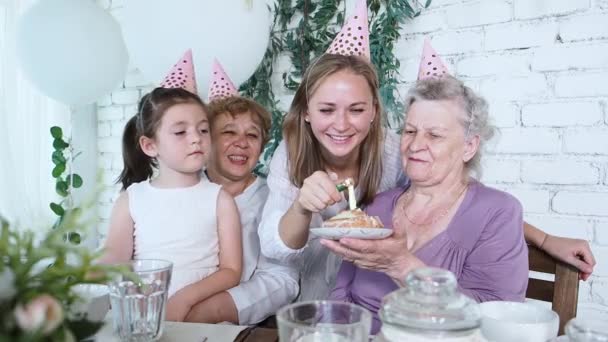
(318, 267)
(266, 285)
(178, 225)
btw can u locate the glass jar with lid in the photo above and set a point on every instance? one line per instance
(429, 308)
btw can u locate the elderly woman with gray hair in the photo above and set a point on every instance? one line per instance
(444, 217)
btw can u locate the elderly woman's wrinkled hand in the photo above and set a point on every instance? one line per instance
(575, 252)
(390, 255)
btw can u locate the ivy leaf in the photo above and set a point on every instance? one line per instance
(57, 209)
(59, 144)
(76, 212)
(56, 132)
(61, 188)
(75, 180)
(58, 170)
(74, 238)
(58, 158)
(428, 3)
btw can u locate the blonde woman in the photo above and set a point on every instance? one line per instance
(334, 130)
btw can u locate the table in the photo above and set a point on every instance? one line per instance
(257, 334)
(196, 332)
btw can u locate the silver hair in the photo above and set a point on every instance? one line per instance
(476, 121)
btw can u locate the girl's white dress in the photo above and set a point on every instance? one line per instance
(178, 225)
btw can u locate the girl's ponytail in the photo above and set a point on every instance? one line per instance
(137, 165)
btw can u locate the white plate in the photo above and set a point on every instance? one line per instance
(358, 233)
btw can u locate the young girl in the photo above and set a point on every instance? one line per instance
(175, 215)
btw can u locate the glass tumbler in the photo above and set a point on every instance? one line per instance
(138, 300)
(326, 321)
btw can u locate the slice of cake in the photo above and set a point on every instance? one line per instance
(353, 219)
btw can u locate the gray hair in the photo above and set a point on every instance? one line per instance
(475, 123)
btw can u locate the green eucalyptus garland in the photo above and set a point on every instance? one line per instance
(302, 41)
(66, 180)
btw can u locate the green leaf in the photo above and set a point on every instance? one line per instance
(428, 3)
(74, 238)
(56, 132)
(57, 209)
(58, 170)
(74, 180)
(58, 158)
(83, 328)
(59, 144)
(61, 188)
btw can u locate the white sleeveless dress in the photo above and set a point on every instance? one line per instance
(178, 225)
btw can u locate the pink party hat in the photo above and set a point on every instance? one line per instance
(353, 39)
(221, 85)
(431, 64)
(182, 74)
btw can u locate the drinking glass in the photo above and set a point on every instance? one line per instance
(326, 321)
(138, 300)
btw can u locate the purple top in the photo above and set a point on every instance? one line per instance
(483, 246)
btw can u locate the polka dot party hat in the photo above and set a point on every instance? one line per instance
(430, 63)
(221, 85)
(182, 74)
(353, 39)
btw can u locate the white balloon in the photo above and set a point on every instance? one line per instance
(158, 32)
(72, 50)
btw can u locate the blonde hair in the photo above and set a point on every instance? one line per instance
(236, 105)
(303, 149)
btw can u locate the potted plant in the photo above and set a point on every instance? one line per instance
(37, 282)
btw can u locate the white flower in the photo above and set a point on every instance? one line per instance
(43, 312)
(7, 284)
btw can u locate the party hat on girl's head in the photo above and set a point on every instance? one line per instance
(182, 74)
(353, 39)
(430, 63)
(221, 85)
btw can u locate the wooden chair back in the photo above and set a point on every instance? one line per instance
(562, 293)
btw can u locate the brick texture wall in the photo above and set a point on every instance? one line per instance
(543, 66)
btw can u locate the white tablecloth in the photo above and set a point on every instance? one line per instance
(186, 332)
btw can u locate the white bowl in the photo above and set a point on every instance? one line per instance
(514, 321)
(95, 301)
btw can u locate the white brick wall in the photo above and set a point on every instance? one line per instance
(584, 27)
(537, 201)
(527, 140)
(573, 56)
(587, 140)
(562, 114)
(429, 21)
(507, 88)
(480, 12)
(601, 233)
(543, 66)
(581, 203)
(567, 172)
(485, 65)
(576, 228)
(501, 170)
(470, 40)
(518, 35)
(588, 84)
(525, 9)
(505, 114)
